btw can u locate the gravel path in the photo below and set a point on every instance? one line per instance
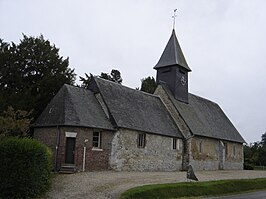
(110, 184)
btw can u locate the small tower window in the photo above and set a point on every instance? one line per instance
(165, 70)
(182, 71)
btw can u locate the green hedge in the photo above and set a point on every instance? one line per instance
(194, 189)
(25, 168)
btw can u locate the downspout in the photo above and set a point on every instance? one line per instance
(57, 147)
(84, 155)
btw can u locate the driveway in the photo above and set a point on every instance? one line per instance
(110, 184)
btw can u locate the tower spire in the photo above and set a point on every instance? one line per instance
(173, 69)
(174, 16)
(172, 55)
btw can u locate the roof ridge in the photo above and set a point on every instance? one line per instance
(127, 87)
(74, 86)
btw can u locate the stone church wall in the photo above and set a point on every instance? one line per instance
(233, 156)
(204, 154)
(96, 159)
(212, 154)
(157, 155)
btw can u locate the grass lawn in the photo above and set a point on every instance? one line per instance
(194, 189)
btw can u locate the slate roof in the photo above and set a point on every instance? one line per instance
(205, 118)
(74, 106)
(172, 55)
(135, 109)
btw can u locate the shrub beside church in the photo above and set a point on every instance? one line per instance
(25, 169)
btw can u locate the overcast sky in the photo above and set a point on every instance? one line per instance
(224, 43)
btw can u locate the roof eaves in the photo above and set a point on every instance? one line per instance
(71, 125)
(222, 139)
(151, 132)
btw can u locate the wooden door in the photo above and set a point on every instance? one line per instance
(70, 150)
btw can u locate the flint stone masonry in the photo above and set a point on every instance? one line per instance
(206, 154)
(157, 155)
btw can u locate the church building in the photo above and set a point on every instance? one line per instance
(111, 126)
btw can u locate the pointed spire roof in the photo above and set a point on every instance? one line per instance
(172, 55)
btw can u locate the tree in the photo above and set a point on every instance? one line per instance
(262, 151)
(114, 77)
(85, 80)
(14, 123)
(255, 153)
(31, 74)
(251, 154)
(148, 85)
(263, 139)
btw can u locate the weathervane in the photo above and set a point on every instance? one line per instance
(174, 16)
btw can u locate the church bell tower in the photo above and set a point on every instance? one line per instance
(173, 69)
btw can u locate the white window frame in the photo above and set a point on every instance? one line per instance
(176, 144)
(99, 140)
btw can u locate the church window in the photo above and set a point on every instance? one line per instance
(234, 150)
(166, 70)
(176, 144)
(96, 140)
(226, 148)
(182, 71)
(201, 146)
(141, 140)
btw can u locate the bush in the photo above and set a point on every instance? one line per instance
(248, 166)
(25, 169)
